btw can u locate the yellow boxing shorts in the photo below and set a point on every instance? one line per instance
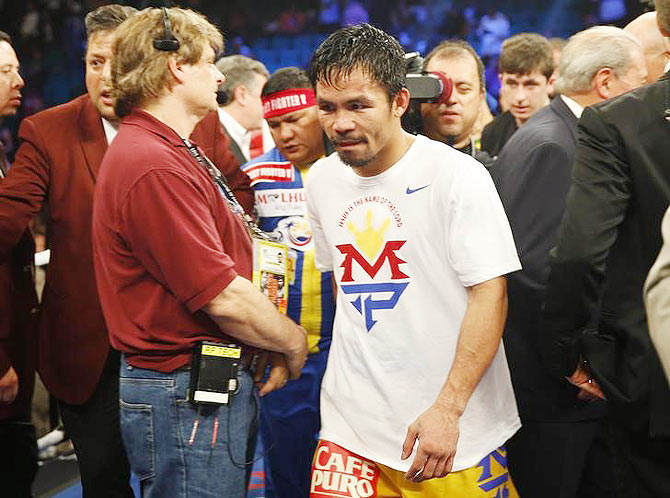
(338, 473)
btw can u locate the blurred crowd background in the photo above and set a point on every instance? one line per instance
(50, 39)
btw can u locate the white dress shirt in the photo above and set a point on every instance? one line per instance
(110, 130)
(576, 108)
(237, 132)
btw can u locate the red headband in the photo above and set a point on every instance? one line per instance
(287, 101)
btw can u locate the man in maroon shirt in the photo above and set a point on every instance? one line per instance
(57, 163)
(173, 263)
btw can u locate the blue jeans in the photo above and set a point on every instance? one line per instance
(175, 447)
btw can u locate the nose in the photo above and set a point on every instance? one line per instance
(220, 77)
(106, 74)
(286, 132)
(453, 98)
(18, 81)
(520, 93)
(343, 123)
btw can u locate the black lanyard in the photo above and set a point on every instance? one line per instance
(220, 181)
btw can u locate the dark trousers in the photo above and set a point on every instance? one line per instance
(643, 463)
(562, 460)
(95, 432)
(18, 459)
(290, 424)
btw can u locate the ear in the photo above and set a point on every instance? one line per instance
(550, 83)
(602, 82)
(400, 103)
(176, 68)
(240, 94)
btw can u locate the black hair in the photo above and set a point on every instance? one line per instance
(107, 18)
(285, 78)
(5, 37)
(363, 47)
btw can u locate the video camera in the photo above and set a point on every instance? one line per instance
(424, 88)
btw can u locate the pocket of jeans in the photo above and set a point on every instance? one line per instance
(137, 430)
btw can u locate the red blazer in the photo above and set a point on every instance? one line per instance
(57, 162)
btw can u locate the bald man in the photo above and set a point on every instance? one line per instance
(656, 54)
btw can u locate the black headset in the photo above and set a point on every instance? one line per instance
(168, 42)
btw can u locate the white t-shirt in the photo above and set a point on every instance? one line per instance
(404, 245)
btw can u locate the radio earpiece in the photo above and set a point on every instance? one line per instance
(168, 42)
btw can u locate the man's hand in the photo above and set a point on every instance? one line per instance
(278, 372)
(9, 386)
(297, 354)
(589, 388)
(437, 432)
(241, 311)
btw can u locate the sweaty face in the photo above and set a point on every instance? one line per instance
(454, 120)
(298, 135)
(358, 118)
(525, 93)
(98, 76)
(10, 80)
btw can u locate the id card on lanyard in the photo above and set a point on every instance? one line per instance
(270, 271)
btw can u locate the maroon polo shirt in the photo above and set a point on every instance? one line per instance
(165, 244)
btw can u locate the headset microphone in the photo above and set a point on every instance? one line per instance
(168, 43)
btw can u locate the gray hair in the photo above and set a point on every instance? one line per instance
(238, 70)
(589, 51)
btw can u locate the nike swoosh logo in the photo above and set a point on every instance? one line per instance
(411, 191)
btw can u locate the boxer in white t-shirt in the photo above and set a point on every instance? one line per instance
(417, 385)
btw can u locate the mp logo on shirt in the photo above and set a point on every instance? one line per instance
(382, 281)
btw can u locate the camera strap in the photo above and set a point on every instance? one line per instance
(220, 181)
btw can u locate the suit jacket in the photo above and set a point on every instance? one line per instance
(496, 134)
(532, 174)
(18, 313)
(657, 298)
(608, 240)
(57, 162)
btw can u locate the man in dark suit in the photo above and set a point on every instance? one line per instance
(594, 330)
(18, 307)
(526, 81)
(561, 449)
(57, 162)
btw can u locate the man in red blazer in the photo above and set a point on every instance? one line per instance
(57, 163)
(18, 307)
